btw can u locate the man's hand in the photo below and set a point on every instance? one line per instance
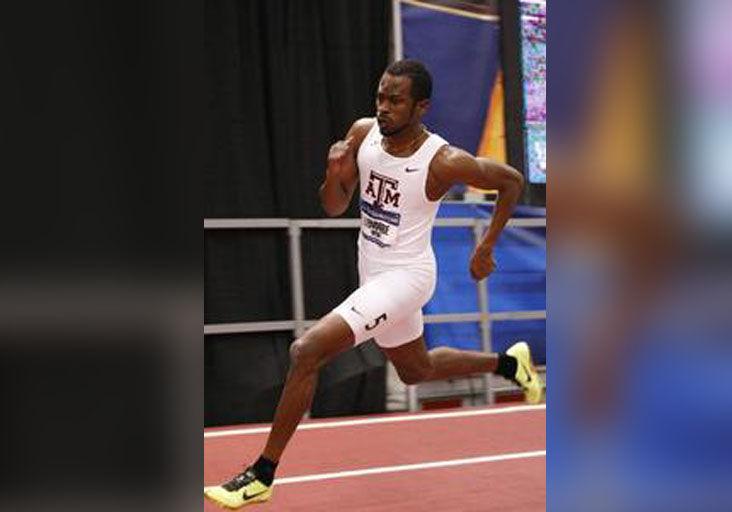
(340, 156)
(341, 173)
(482, 262)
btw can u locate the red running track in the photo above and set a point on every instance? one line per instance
(500, 483)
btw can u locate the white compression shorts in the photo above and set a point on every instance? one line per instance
(388, 304)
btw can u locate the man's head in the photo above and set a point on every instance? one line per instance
(403, 97)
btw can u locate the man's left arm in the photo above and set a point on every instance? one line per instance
(453, 165)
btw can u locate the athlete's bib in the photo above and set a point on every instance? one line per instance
(378, 225)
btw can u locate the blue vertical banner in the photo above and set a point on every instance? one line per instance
(462, 51)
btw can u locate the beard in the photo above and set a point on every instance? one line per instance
(388, 131)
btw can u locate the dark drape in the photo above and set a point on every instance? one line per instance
(286, 79)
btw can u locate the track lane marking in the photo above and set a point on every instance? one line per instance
(410, 467)
(376, 421)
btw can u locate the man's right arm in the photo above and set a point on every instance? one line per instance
(341, 175)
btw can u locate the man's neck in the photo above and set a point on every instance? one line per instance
(405, 136)
(405, 142)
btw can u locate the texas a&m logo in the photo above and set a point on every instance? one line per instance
(383, 190)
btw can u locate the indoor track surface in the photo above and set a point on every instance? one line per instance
(467, 460)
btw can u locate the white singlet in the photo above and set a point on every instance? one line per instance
(396, 263)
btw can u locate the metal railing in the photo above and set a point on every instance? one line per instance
(299, 323)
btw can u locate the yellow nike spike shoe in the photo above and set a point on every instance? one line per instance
(244, 489)
(526, 375)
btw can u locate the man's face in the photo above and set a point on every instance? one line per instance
(395, 108)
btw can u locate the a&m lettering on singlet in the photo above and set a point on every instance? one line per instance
(383, 189)
(380, 225)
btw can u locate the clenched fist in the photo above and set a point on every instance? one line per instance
(340, 156)
(482, 262)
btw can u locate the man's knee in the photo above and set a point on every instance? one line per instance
(302, 355)
(306, 353)
(416, 374)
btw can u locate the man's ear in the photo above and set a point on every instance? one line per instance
(423, 106)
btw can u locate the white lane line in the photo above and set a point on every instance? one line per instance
(375, 421)
(410, 467)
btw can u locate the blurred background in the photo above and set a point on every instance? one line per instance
(639, 274)
(285, 81)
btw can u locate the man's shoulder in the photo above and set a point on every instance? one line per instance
(366, 122)
(449, 156)
(360, 129)
(362, 126)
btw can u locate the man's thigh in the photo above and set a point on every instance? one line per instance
(328, 337)
(387, 308)
(410, 359)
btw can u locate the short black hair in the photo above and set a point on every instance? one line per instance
(421, 78)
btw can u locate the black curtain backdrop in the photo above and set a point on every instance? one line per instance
(286, 79)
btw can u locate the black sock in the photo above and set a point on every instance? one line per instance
(265, 470)
(507, 366)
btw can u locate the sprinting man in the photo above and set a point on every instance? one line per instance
(402, 172)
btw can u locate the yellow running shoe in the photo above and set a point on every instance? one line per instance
(526, 375)
(244, 489)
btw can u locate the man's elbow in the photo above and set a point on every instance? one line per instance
(330, 209)
(331, 212)
(325, 204)
(515, 183)
(520, 181)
